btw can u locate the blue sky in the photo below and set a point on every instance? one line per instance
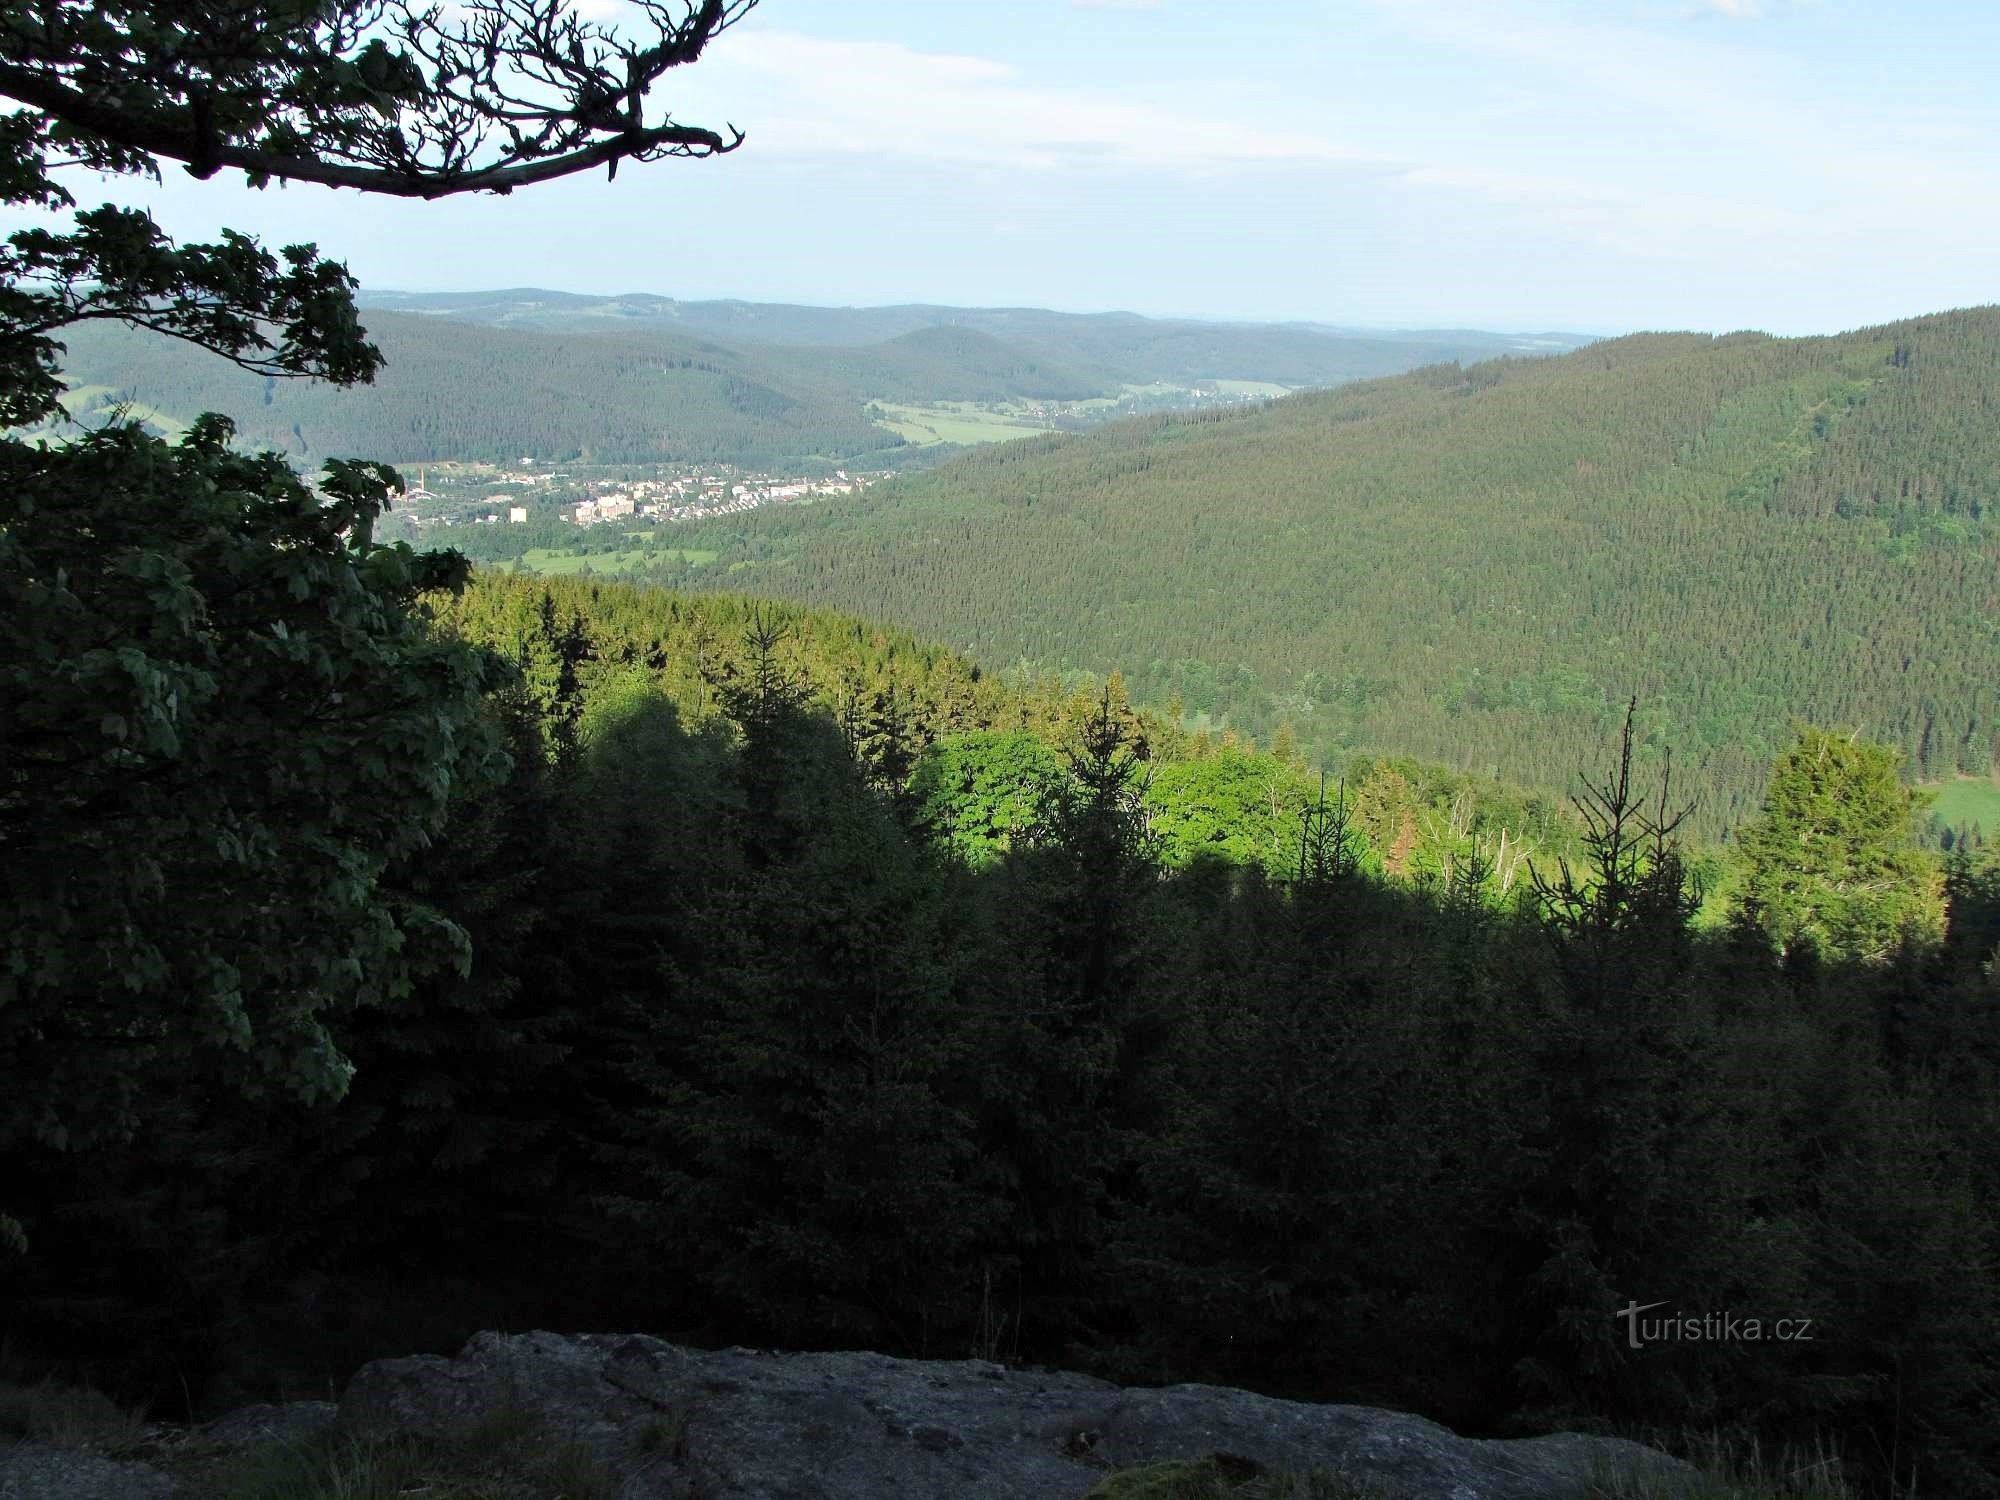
(1795, 165)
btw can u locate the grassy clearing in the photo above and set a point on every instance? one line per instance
(84, 397)
(549, 561)
(957, 422)
(92, 405)
(1968, 799)
(66, 1416)
(1250, 387)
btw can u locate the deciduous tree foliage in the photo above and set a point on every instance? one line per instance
(223, 717)
(223, 710)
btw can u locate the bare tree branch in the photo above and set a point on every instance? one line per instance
(414, 101)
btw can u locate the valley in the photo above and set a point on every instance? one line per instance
(999, 899)
(1479, 565)
(1475, 565)
(501, 378)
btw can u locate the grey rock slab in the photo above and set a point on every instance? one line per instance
(743, 1424)
(35, 1471)
(1396, 1449)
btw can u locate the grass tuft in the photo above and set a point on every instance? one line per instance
(68, 1416)
(665, 1435)
(1729, 1470)
(1221, 1477)
(505, 1456)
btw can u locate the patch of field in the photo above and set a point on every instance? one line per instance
(554, 563)
(94, 405)
(956, 422)
(559, 564)
(87, 395)
(1249, 387)
(1968, 799)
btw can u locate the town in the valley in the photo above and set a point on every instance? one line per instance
(459, 494)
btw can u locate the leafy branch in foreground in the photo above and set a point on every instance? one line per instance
(222, 715)
(419, 101)
(415, 101)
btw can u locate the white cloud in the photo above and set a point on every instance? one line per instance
(1701, 116)
(813, 95)
(1724, 108)
(1635, 223)
(1742, 10)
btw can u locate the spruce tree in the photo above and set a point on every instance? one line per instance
(1832, 864)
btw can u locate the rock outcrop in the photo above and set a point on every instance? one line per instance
(36, 1471)
(739, 1424)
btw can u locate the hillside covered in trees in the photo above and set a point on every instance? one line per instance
(775, 977)
(1112, 346)
(1480, 565)
(459, 390)
(390, 950)
(496, 378)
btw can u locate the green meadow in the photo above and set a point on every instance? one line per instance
(1250, 388)
(93, 405)
(1968, 799)
(964, 422)
(548, 560)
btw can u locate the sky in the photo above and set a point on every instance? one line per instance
(1800, 166)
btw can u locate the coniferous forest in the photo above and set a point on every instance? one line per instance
(504, 382)
(1480, 565)
(392, 949)
(770, 977)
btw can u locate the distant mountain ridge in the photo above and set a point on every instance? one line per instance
(556, 376)
(1126, 345)
(464, 390)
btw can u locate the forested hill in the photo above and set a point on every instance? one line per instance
(1479, 565)
(945, 364)
(461, 390)
(502, 376)
(1122, 346)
